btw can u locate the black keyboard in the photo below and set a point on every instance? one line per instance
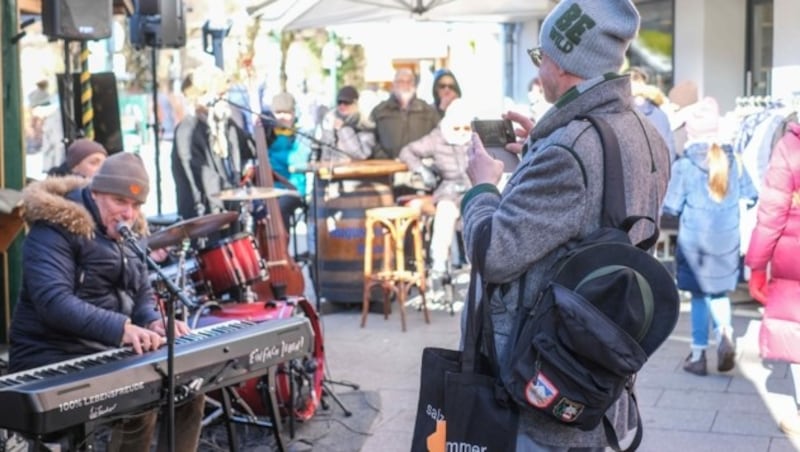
(52, 398)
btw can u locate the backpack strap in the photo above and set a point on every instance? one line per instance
(613, 210)
(647, 243)
(608, 427)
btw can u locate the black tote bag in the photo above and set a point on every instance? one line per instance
(462, 405)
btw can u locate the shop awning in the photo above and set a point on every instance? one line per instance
(299, 14)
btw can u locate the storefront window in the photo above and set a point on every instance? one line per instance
(759, 47)
(652, 49)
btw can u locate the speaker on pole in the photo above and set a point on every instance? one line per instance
(78, 20)
(158, 23)
(105, 103)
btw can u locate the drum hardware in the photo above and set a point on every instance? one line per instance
(191, 229)
(299, 383)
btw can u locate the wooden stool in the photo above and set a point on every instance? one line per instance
(393, 276)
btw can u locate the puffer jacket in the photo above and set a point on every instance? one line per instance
(551, 201)
(449, 160)
(79, 287)
(352, 141)
(775, 243)
(707, 257)
(396, 127)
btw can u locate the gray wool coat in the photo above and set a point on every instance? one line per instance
(551, 201)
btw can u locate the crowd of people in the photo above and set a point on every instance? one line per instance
(82, 292)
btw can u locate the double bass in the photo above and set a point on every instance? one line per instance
(285, 276)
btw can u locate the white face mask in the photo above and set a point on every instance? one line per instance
(455, 134)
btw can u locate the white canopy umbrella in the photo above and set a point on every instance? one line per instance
(299, 14)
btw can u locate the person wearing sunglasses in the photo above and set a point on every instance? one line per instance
(553, 199)
(345, 136)
(445, 89)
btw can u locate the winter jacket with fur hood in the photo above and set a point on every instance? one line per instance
(79, 287)
(551, 201)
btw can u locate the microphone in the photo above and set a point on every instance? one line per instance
(125, 232)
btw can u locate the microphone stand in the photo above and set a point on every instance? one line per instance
(129, 238)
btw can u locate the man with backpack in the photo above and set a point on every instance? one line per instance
(554, 198)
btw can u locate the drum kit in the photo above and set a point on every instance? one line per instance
(217, 278)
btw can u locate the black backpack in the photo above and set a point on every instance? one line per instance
(608, 306)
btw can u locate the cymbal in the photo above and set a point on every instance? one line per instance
(252, 193)
(191, 229)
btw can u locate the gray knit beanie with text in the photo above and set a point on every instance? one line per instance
(589, 38)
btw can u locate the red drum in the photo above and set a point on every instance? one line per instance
(230, 263)
(306, 376)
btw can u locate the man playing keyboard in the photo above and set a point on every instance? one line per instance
(84, 291)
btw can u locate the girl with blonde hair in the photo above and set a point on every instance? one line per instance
(704, 191)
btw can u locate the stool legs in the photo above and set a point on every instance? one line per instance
(419, 258)
(393, 277)
(369, 235)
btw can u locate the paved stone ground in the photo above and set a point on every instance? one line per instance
(735, 411)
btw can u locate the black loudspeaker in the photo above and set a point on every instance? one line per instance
(80, 20)
(107, 128)
(158, 23)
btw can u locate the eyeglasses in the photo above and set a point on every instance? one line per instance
(344, 102)
(536, 55)
(450, 86)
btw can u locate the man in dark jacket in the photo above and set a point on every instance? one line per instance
(84, 291)
(197, 154)
(402, 118)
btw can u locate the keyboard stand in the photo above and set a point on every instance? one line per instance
(233, 441)
(268, 393)
(267, 387)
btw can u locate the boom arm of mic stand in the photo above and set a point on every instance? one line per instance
(269, 120)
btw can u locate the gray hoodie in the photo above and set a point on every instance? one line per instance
(551, 201)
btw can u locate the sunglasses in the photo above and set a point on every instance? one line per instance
(536, 55)
(446, 85)
(344, 102)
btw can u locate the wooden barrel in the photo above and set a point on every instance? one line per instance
(340, 235)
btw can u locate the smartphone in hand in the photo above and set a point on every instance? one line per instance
(495, 134)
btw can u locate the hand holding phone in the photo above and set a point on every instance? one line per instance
(495, 134)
